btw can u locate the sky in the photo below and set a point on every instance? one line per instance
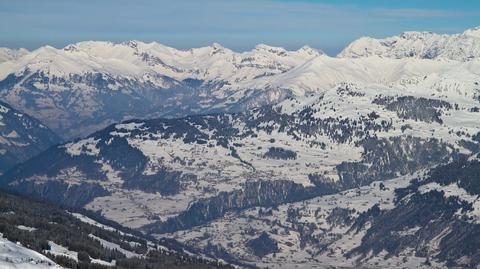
(328, 25)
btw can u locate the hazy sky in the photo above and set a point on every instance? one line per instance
(239, 25)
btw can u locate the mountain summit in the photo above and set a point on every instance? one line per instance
(425, 45)
(86, 86)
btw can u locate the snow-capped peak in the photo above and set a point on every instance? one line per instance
(426, 45)
(415, 35)
(215, 78)
(217, 46)
(475, 32)
(132, 43)
(70, 47)
(310, 51)
(7, 54)
(135, 59)
(270, 49)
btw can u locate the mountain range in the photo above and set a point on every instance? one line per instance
(266, 158)
(85, 86)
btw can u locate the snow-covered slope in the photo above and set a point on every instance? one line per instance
(425, 45)
(40, 235)
(323, 72)
(7, 54)
(15, 256)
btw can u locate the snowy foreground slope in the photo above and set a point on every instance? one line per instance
(39, 235)
(88, 85)
(14, 256)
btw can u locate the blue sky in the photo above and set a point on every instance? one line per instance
(328, 25)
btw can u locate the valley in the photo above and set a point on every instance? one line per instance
(267, 158)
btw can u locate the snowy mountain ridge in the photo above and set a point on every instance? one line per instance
(7, 54)
(425, 45)
(136, 58)
(81, 80)
(88, 85)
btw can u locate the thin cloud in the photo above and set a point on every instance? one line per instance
(422, 13)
